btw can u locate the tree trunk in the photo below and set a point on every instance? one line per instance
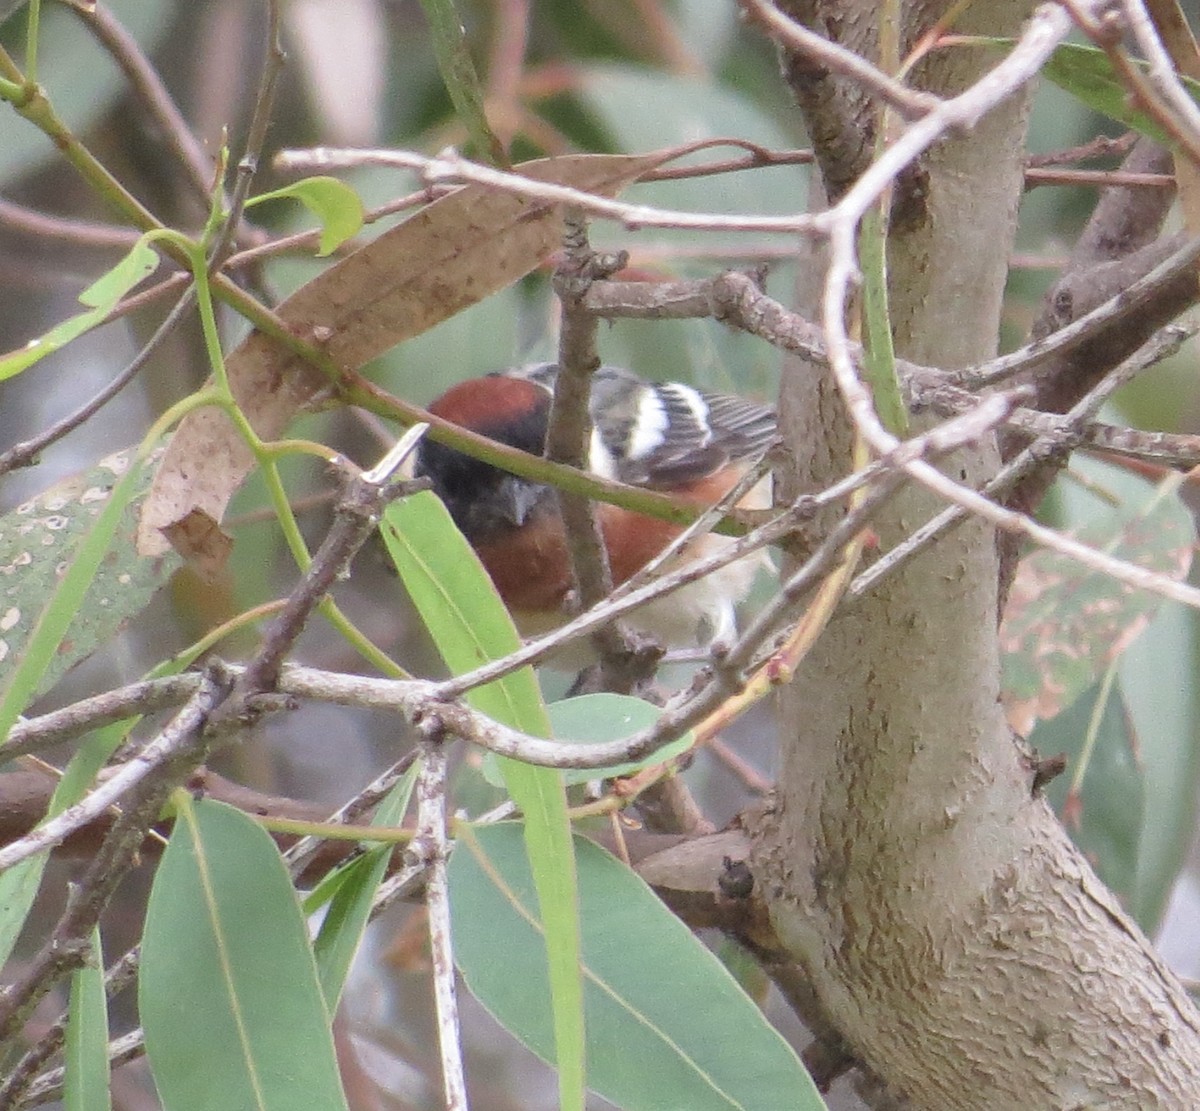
(952, 933)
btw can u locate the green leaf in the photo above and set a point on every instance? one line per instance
(1086, 72)
(880, 354)
(351, 897)
(1165, 715)
(1101, 797)
(85, 1052)
(1065, 623)
(458, 603)
(668, 1027)
(462, 82)
(228, 993)
(596, 718)
(1162, 710)
(101, 297)
(73, 568)
(470, 626)
(331, 201)
(18, 888)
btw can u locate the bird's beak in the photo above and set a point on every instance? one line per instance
(518, 498)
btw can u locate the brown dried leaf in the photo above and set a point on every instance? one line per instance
(451, 254)
(201, 541)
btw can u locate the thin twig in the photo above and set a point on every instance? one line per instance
(173, 739)
(1031, 457)
(1102, 146)
(910, 103)
(569, 436)
(756, 158)
(1162, 76)
(49, 1085)
(24, 1072)
(256, 136)
(26, 452)
(136, 699)
(1102, 179)
(302, 852)
(429, 849)
(147, 86)
(84, 233)
(451, 168)
(569, 426)
(752, 779)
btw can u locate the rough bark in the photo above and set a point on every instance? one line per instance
(951, 932)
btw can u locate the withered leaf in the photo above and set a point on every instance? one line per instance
(451, 254)
(201, 542)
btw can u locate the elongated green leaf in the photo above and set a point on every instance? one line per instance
(18, 888)
(100, 297)
(880, 355)
(85, 1053)
(462, 82)
(596, 718)
(331, 201)
(350, 906)
(228, 994)
(1086, 72)
(667, 1026)
(470, 626)
(456, 599)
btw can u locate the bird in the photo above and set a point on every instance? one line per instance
(663, 436)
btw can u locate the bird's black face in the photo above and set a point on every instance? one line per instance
(483, 500)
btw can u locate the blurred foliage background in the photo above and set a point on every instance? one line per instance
(560, 76)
